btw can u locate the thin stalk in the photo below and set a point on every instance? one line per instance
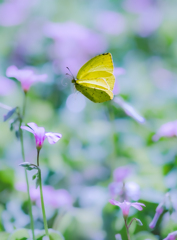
(24, 104)
(42, 199)
(128, 234)
(26, 176)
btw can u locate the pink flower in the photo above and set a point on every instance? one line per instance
(121, 173)
(166, 130)
(171, 236)
(159, 211)
(125, 206)
(40, 134)
(26, 76)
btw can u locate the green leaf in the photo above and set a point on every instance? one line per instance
(19, 234)
(34, 176)
(54, 235)
(37, 180)
(144, 236)
(9, 114)
(137, 220)
(28, 166)
(4, 235)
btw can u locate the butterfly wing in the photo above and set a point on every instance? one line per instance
(109, 77)
(102, 62)
(95, 79)
(94, 83)
(97, 92)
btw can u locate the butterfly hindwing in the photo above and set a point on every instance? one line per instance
(96, 95)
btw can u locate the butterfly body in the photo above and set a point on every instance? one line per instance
(95, 79)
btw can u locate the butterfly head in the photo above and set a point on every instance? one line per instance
(73, 80)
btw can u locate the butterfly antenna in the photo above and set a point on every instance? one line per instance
(70, 72)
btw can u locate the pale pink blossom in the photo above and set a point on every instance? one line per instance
(125, 206)
(27, 77)
(40, 134)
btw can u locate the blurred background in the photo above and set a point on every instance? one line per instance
(79, 171)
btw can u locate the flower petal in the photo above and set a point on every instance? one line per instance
(53, 137)
(33, 126)
(27, 129)
(138, 206)
(12, 71)
(114, 202)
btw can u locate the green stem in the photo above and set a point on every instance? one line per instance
(24, 104)
(26, 176)
(42, 199)
(128, 234)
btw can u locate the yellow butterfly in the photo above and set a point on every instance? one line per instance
(95, 79)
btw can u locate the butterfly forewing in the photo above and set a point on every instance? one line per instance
(101, 62)
(94, 83)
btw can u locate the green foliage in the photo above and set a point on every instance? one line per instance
(53, 235)
(144, 236)
(4, 235)
(19, 234)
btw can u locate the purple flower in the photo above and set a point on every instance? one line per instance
(14, 12)
(55, 198)
(40, 134)
(166, 130)
(137, 6)
(121, 173)
(125, 206)
(171, 236)
(110, 22)
(118, 237)
(127, 191)
(159, 211)
(26, 76)
(68, 38)
(116, 189)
